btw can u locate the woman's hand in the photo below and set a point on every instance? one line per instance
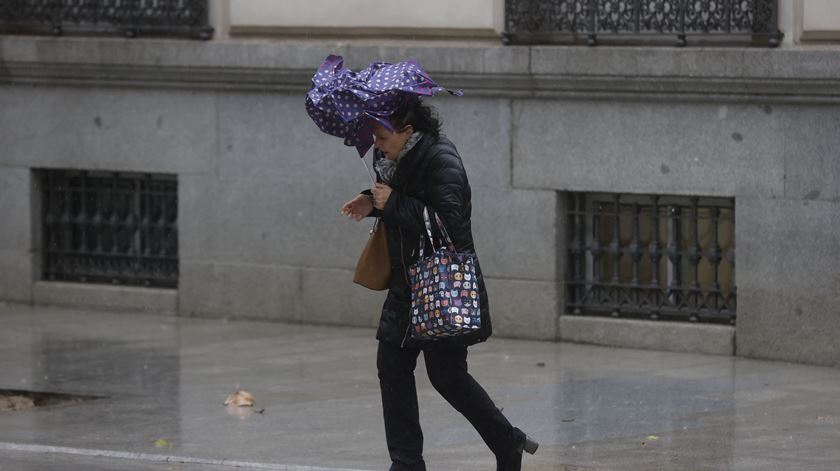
(358, 208)
(381, 192)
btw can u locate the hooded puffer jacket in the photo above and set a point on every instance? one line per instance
(430, 175)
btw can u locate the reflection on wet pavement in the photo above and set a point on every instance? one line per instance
(594, 408)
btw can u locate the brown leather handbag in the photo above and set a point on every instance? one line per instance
(373, 270)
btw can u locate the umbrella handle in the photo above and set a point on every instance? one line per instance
(370, 174)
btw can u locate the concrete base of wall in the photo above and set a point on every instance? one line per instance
(115, 298)
(623, 333)
(649, 335)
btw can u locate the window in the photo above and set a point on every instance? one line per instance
(185, 18)
(651, 256)
(642, 21)
(110, 227)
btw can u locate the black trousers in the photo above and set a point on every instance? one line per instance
(447, 370)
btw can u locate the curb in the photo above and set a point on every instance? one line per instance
(21, 447)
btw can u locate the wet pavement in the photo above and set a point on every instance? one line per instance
(164, 380)
(26, 461)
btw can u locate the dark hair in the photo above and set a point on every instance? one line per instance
(419, 115)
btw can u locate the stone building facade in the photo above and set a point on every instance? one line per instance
(571, 151)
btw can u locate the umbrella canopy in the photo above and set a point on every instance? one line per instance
(346, 104)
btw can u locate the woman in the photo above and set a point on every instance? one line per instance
(417, 167)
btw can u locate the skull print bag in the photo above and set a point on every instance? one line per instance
(444, 290)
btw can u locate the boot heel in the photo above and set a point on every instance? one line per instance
(530, 446)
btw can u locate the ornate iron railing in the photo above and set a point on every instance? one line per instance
(658, 257)
(558, 21)
(110, 227)
(187, 18)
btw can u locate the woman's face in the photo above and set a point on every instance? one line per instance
(389, 142)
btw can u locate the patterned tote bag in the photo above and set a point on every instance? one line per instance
(444, 290)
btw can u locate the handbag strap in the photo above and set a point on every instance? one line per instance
(428, 223)
(443, 231)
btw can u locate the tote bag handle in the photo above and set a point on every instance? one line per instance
(441, 227)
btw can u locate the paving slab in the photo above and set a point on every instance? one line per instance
(162, 381)
(26, 461)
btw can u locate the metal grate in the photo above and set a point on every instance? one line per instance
(548, 21)
(187, 18)
(110, 227)
(651, 256)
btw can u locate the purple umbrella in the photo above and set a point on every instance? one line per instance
(346, 104)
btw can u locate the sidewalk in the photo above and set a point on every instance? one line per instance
(591, 408)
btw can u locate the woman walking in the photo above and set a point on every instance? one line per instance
(418, 168)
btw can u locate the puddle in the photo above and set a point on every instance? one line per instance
(17, 400)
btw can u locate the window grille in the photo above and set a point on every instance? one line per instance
(110, 227)
(651, 256)
(187, 18)
(563, 21)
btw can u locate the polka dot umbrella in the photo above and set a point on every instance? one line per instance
(346, 104)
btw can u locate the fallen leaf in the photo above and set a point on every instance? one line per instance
(161, 443)
(240, 398)
(652, 437)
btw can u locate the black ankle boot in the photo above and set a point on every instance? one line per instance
(512, 459)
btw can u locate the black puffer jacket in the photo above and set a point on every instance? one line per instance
(430, 174)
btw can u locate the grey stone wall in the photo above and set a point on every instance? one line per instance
(781, 162)
(713, 149)
(259, 190)
(259, 186)
(16, 236)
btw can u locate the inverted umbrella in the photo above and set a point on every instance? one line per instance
(346, 104)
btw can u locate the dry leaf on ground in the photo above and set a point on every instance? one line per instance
(240, 398)
(161, 443)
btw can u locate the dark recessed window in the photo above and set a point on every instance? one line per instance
(110, 227)
(753, 22)
(176, 18)
(651, 256)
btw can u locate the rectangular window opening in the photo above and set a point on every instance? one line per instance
(170, 18)
(110, 227)
(651, 257)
